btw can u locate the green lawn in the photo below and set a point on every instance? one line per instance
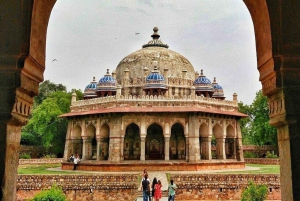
(262, 169)
(44, 169)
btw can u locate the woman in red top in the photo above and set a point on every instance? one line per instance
(157, 193)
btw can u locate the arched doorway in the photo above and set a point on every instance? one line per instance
(92, 143)
(77, 141)
(204, 141)
(104, 142)
(155, 143)
(177, 142)
(132, 143)
(230, 141)
(217, 142)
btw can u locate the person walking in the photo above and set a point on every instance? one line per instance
(146, 188)
(76, 161)
(171, 191)
(152, 186)
(158, 193)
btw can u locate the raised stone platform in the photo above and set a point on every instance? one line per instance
(152, 165)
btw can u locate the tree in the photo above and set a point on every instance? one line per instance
(46, 88)
(256, 128)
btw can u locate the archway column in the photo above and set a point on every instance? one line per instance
(98, 154)
(187, 148)
(143, 145)
(206, 148)
(221, 154)
(87, 148)
(167, 148)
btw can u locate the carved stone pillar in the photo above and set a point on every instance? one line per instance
(143, 145)
(167, 148)
(206, 148)
(239, 145)
(87, 149)
(220, 148)
(98, 154)
(187, 153)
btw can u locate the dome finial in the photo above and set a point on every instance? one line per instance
(94, 79)
(107, 71)
(155, 35)
(201, 72)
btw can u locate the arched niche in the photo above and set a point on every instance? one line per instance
(104, 142)
(204, 140)
(91, 132)
(132, 142)
(230, 143)
(155, 143)
(177, 142)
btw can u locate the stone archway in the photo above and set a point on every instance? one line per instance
(205, 142)
(276, 25)
(230, 143)
(219, 142)
(103, 142)
(132, 143)
(155, 143)
(177, 142)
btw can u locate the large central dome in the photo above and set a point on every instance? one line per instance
(155, 54)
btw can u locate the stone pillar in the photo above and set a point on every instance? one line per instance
(115, 149)
(206, 148)
(68, 143)
(170, 91)
(187, 148)
(98, 148)
(87, 149)
(239, 143)
(194, 146)
(220, 148)
(143, 145)
(167, 148)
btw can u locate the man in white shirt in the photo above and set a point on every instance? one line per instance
(76, 161)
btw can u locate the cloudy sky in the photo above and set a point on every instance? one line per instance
(89, 36)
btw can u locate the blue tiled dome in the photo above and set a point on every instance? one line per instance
(107, 79)
(155, 80)
(90, 90)
(218, 90)
(202, 83)
(155, 76)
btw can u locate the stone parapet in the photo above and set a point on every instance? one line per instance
(185, 101)
(81, 187)
(222, 187)
(264, 161)
(40, 161)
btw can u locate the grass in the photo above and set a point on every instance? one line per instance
(262, 169)
(44, 169)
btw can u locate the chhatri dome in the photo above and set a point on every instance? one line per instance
(154, 106)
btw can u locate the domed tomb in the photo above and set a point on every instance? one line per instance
(155, 53)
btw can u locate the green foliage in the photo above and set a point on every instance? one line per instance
(256, 129)
(248, 154)
(24, 156)
(45, 128)
(271, 155)
(55, 193)
(255, 192)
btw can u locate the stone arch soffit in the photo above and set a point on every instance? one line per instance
(262, 30)
(104, 131)
(132, 124)
(203, 130)
(217, 131)
(76, 132)
(153, 124)
(180, 125)
(230, 131)
(91, 130)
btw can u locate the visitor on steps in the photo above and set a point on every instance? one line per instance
(171, 191)
(146, 188)
(158, 193)
(76, 161)
(152, 186)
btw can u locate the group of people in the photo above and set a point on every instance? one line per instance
(75, 160)
(156, 186)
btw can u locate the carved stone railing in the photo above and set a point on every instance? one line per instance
(40, 161)
(155, 101)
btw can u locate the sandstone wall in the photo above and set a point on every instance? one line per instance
(40, 161)
(222, 187)
(125, 187)
(264, 161)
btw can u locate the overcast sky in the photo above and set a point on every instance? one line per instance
(89, 36)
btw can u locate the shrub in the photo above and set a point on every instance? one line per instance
(55, 193)
(255, 192)
(24, 156)
(49, 156)
(271, 155)
(248, 154)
